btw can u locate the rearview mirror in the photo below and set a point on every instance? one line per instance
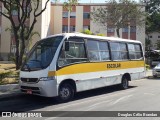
(66, 47)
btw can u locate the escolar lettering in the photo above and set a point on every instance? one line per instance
(117, 65)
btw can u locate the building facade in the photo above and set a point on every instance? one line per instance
(80, 20)
(154, 38)
(55, 20)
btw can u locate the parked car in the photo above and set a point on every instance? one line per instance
(155, 62)
(156, 71)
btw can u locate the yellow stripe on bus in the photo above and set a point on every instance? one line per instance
(96, 67)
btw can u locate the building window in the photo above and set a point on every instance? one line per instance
(73, 15)
(125, 29)
(109, 30)
(72, 28)
(86, 27)
(14, 12)
(86, 15)
(133, 28)
(158, 36)
(150, 36)
(65, 28)
(65, 14)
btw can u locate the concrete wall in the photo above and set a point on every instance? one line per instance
(79, 18)
(57, 20)
(45, 23)
(154, 37)
(5, 38)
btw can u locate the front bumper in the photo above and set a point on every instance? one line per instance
(47, 88)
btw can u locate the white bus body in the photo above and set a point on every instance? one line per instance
(77, 62)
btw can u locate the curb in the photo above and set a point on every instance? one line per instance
(10, 95)
(9, 87)
(9, 90)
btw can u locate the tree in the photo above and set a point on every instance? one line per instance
(119, 14)
(153, 16)
(69, 6)
(22, 32)
(158, 44)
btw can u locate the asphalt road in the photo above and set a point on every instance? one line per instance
(142, 95)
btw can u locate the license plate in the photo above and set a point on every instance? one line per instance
(29, 91)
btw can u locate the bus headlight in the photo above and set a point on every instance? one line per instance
(46, 78)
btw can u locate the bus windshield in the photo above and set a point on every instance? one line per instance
(42, 54)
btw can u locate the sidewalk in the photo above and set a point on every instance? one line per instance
(148, 73)
(9, 90)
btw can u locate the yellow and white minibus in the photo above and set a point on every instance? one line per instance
(63, 64)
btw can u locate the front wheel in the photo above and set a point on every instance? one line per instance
(66, 93)
(124, 84)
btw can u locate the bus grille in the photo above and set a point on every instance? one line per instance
(35, 90)
(29, 79)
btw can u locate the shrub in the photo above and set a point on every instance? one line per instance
(147, 67)
(4, 75)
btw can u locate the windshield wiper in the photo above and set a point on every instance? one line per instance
(29, 69)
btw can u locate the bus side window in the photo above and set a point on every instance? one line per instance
(115, 51)
(135, 51)
(98, 50)
(124, 52)
(75, 54)
(139, 53)
(131, 50)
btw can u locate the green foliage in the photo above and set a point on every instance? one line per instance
(148, 44)
(158, 44)
(88, 32)
(69, 4)
(147, 66)
(100, 34)
(153, 18)
(4, 75)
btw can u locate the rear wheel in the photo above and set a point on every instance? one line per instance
(66, 92)
(125, 83)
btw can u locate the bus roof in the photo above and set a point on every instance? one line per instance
(97, 37)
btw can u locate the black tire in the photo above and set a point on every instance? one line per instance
(124, 83)
(66, 93)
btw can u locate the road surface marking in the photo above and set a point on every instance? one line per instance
(149, 94)
(95, 105)
(121, 99)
